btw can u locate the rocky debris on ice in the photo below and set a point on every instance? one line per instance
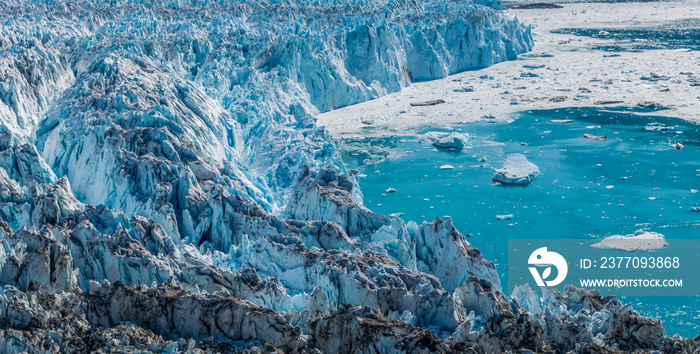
(516, 170)
(607, 102)
(639, 241)
(427, 103)
(537, 5)
(447, 141)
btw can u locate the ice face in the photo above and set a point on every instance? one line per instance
(164, 184)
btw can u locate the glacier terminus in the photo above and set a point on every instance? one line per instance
(165, 188)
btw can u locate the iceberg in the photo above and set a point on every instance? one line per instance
(516, 170)
(639, 241)
(447, 141)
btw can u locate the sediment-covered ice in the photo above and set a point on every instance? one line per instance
(516, 170)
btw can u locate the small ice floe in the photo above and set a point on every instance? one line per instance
(561, 120)
(427, 103)
(609, 187)
(558, 99)
(677, 146)
(658, 127)
(639, 241)
(447, 167)
(504, 217)
(464, 89)
(595, 137)
(516, 170)
(693, 191)
(390, 190)
(396, 215)
(447, 141)
(649, 104)
(695, 209)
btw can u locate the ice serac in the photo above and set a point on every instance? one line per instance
(516, 170)
(164, 186)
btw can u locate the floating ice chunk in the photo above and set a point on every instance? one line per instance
(639, 241)
(464, 89)
(677, 146)
(657, 127)
(561, 120)
(447, 167)
(390, 190)
(447, 141)
(595, 137)
(504, 217)
(516, 170)
(695, 209)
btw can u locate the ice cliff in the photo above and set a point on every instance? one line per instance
(164, 186)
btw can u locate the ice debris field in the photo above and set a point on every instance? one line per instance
(634, 180)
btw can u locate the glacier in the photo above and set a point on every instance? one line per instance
(164, 186)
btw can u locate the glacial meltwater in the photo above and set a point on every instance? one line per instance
(639, 178)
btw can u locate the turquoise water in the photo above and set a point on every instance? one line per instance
(587, 188)
(675, 35)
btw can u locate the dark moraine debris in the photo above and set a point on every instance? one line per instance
(602, 103)
(537, 5)
(427, 103)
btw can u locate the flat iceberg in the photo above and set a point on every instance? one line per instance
(639, 241)
(447, 141)
(516, 170)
